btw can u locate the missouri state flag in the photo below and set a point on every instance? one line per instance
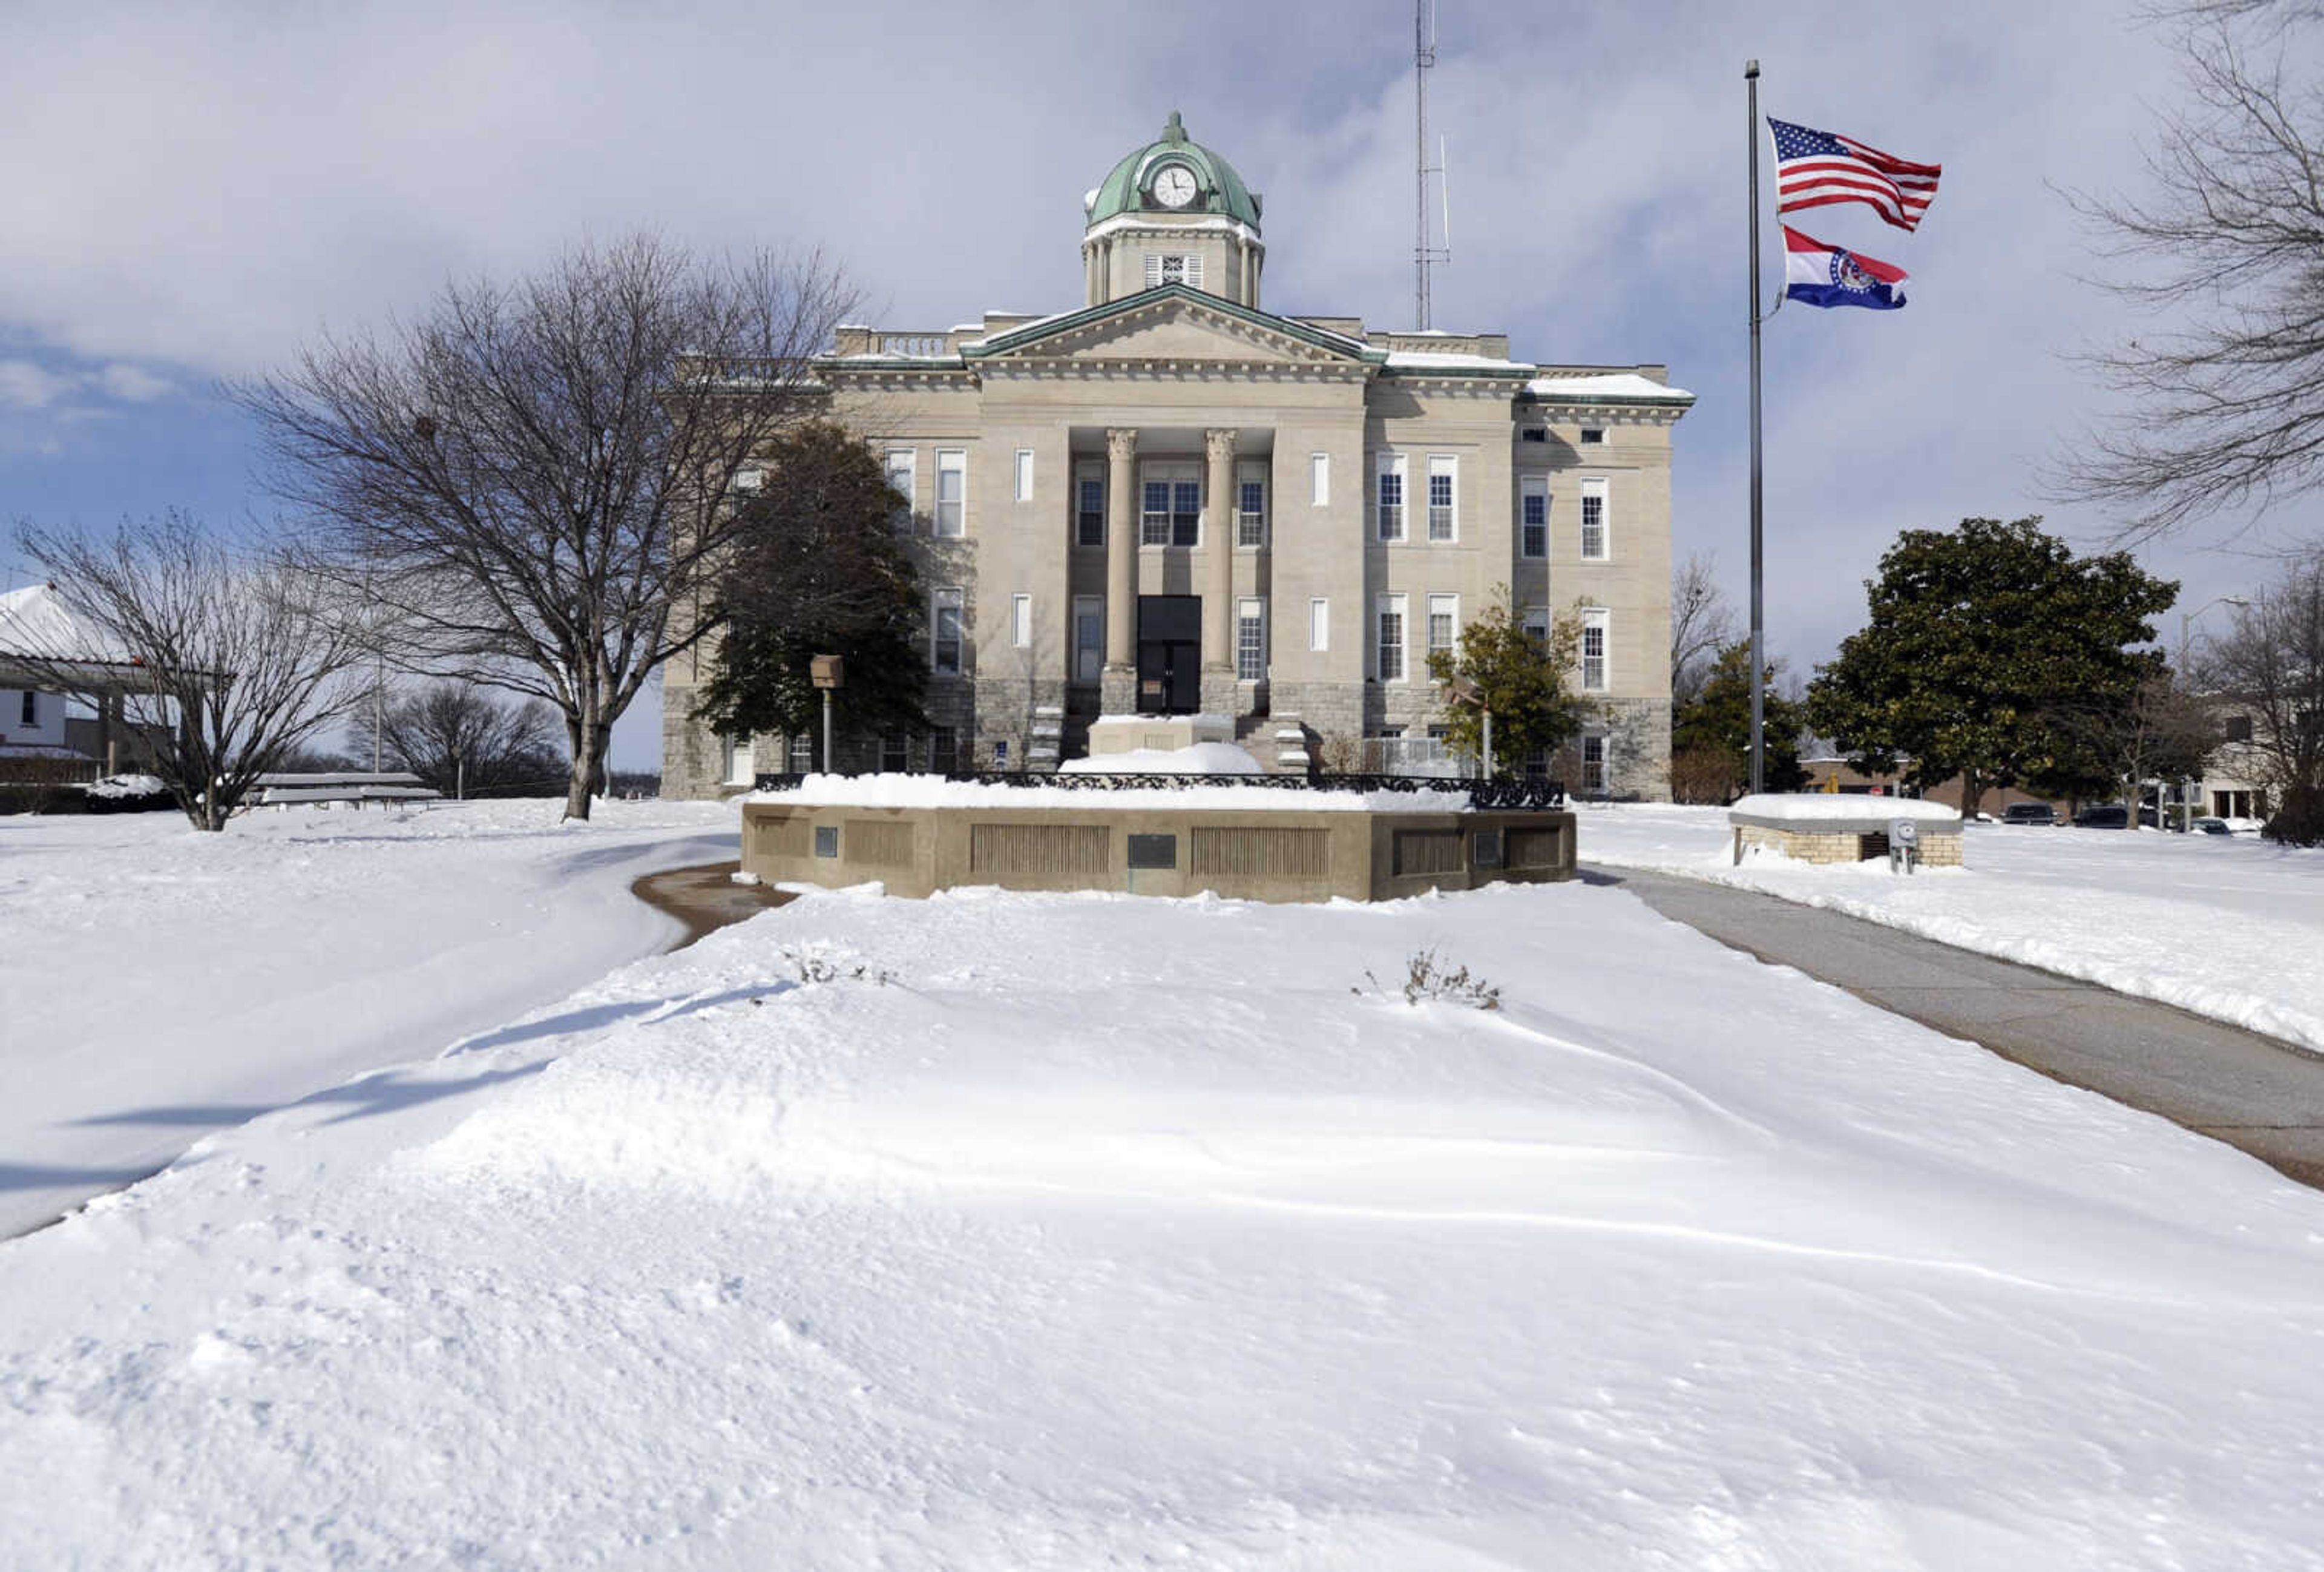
(1832, 276)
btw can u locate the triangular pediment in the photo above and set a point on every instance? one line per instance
(1173, 323)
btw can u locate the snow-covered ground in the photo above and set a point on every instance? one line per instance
(2228, 926)
(156, 982)
(1080, 1231)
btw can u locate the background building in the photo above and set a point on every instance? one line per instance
(1170, 502)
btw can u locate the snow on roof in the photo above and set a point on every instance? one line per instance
(1216, 221)
(1195, 759)
(1806, 807)
(902, 790)
(35, 621)
(1626, 385)
(1417, 358)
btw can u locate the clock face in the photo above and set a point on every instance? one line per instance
(1174, 186)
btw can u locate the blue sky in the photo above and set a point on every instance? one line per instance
(209, 185)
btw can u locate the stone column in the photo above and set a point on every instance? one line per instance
(1218, 693)
(1118, 688)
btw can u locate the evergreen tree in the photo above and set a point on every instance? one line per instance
(1714, 730)
(1979, 640)
(1521, 678)
(817, 569)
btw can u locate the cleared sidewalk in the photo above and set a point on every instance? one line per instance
(2254, 1092)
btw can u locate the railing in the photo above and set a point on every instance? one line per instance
(1520, 792)
(1414, 756)
(749, 369)
(918, 346)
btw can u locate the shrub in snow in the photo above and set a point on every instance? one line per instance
(1428, 977)
(816, 965)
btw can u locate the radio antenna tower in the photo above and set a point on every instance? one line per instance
(1424, 59)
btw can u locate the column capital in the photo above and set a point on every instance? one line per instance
(1122, 442)
(1219, 442)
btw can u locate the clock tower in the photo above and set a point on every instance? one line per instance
(1173, 212)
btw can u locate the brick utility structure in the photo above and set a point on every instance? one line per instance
(1820, 828)
(1170, 502)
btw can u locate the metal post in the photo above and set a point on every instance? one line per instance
(826, 731)
(1758, 620)
(1489, 745)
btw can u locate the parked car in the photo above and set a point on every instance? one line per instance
(2029, 813)
(2213, 826)
(2104, 815)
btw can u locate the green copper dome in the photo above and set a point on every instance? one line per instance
(1130, 188)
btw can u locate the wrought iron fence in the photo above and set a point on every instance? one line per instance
(1513, 792)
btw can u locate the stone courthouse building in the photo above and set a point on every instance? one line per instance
(1171, 503)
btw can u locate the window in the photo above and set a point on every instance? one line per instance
(1024, 475)
(1319, 624)
(2237, 728)
(895, 755)
(1593, 521)
(1020, 621)
(741, 771)
(1443, 622)
(1596, 762)
(1537, 626)
(1534, 434)
(1391, 638)
(1536, 764)
(1391, 496)
(944, 631)
(1173, 268)
(1250, 506)
(1533, 516)
(1319, 480)
(802, 754)
(1089, 637)
(902, 464)
(31, 707)
(1173, 511)
(1593, 651)
(1154, 518)
(943, 750)
(952, 494)
(1089, 513)
(1442, 470)
(750, 479)
(1251, 640)
(1593, 436)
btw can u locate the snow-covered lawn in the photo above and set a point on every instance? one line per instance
(2230, 927)
(1080, 1231)
(156, 982)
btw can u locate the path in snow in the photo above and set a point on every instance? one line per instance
(2256, 1094)
(157, 983)
(2228, 926)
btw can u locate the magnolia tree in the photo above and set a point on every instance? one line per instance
(231, 659)
(534, 478)
(1524, 680)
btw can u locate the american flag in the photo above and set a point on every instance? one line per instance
(1815, 169)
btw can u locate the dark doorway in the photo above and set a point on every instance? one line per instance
(1169, 654)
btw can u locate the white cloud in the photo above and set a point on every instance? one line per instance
(236, 177)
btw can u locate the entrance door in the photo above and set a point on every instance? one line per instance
(1169, 654)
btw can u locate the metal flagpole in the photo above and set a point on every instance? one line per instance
(1758, 663)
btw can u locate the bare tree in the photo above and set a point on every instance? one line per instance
(2270, 667)
(2223, 395)
(463, 741)
(2159, 732)
(238, 654)
(1701, 624)
(535, 478)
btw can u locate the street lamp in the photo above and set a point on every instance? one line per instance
(2186, 627)
(1468, 692)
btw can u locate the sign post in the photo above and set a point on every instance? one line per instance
(829, 671)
